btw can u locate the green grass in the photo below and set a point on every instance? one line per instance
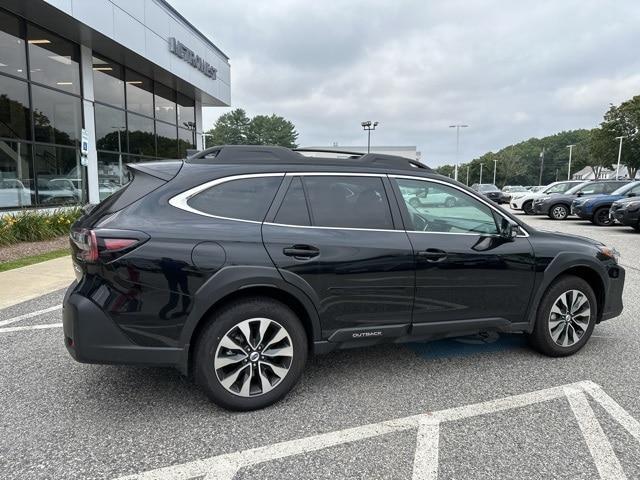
(42, 257)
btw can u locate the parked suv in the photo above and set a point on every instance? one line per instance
(627, 212)
(238, 262)
(596, 208)
(491, 192)
(558, 207)
(525, 201)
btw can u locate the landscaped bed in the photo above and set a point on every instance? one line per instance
(31, 236)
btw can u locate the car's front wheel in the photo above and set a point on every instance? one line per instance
(527, 207)
(601, 217)
(566, 317)
(251, 354)
(558, 212)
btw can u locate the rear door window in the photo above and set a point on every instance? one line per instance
(348, 202)
(242, 199)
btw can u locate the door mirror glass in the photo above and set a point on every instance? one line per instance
(508, 229)
(631, 194)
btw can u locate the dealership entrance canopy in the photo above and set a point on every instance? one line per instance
(89, 85)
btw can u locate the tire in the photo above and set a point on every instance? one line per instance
(414, 202)
(246, 371)
(558, 211)
(636, 227)
(601, 217)
(542, 338)
(527, 207)
(450, 202)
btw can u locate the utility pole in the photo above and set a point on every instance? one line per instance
(619, 156)
(457, 127)
(495, 168)
(541, 165)
(368, 125)
(570, 147)
(480, 182)
(468, 175)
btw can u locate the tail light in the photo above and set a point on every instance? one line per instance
(106, 245)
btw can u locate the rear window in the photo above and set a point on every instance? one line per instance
(242, 199)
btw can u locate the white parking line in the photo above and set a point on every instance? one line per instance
(30, 327)
(426, 457)
(601, 450)
(29, 315)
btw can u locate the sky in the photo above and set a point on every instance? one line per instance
(511, 70)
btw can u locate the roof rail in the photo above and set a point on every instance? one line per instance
(328, 150)
(273, 154)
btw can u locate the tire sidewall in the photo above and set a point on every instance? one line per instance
(225, 320)
(527, 207)
(542, 336)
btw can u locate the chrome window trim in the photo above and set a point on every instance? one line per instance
(474, 195)
(180, 200)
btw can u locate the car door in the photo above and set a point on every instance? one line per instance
(335, 237)
(466, 273)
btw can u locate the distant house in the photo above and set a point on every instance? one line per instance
(605, 173)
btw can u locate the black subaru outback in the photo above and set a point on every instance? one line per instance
(236, 263)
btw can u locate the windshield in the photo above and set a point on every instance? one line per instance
(625, 188)
(558, 187)
(575, 189)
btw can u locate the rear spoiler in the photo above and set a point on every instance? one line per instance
(164, 170)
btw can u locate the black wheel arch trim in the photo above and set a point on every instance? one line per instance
(562, 263)
(232, 279)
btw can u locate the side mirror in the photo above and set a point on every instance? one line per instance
(579, 194)
(631, 194)
(509, 230)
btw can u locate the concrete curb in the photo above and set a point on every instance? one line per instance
(25, 283)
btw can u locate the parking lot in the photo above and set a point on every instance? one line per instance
(485, 407)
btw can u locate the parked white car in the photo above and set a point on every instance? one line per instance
(524, 200)
(13, 193)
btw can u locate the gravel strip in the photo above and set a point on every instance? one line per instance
(28, 249)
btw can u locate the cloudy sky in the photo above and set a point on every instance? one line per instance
(510, 69)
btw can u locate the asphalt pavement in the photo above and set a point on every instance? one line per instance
(467, 408)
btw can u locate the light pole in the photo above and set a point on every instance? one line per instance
(495, 168)
(541, 165)
(467, 175)
(368, 126)
(457, 127)
(570, 147)
(480, 182)
(619, 155)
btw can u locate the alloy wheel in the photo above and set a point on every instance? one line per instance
(559, 212)
(253, 357)
(602, 217)
(569, 318)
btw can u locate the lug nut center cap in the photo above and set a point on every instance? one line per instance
(254, 356)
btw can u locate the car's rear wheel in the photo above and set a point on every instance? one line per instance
(527, 207)
(558, 212)
(566, 317)
(601, 217)
(251, 354)
(636, 227)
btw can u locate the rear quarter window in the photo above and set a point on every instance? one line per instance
(242, 199)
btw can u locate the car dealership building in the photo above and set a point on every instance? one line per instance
(88, 85)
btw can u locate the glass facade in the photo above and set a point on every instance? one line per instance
(137, 119)
(41, 118)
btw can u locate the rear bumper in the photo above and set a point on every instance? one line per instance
(613, 299)
(92, 337)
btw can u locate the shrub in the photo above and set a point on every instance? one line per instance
(32, 226)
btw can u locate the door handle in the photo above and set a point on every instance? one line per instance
(432, 254)
(301, 251)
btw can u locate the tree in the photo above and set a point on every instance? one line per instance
(230, 129)
(235, 128)
(624, 120)
(601, 150)
(272, 130)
